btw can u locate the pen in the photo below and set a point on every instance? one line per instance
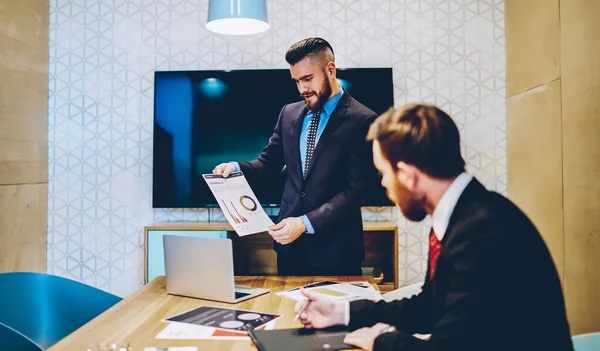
(301, 310)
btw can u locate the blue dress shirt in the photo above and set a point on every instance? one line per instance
(328, 108)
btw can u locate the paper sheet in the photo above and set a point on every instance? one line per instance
(185, 331)
(227, 319)
(336, 291)
(238, 203)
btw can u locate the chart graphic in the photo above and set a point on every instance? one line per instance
(248, 203)
(235, 219)
(238, 213)
(239, 204)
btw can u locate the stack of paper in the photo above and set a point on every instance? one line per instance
(348, 291)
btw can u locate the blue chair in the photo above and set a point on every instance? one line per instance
(586, 342)
(12, 340)
(46, 308)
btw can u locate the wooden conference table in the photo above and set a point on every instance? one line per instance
(137, 318)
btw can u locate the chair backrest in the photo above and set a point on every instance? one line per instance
(46, 308)
(586, 342)
(12, 340)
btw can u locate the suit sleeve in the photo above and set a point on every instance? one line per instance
(475, 265)
(271, 160)
(352, 196)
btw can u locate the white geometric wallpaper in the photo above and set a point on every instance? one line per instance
(103, 54)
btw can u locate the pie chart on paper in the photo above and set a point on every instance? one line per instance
(248, 203)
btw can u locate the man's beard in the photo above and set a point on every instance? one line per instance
(415, 212)
(321, 99)
(413, 207)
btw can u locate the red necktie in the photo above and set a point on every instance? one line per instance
(435, 247)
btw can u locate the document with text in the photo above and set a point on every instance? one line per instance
(238, 203)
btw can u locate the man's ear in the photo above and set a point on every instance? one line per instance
(406, 174)
(331, 68)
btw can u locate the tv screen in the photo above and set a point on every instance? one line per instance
(204, 118)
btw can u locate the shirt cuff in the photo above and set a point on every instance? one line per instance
(236, 166)
(309, 227)
(346, 312)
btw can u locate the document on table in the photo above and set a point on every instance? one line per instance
(238, 203)
(335, 291)
(186, 331)
(228, 319)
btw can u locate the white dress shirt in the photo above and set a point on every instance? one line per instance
(440, 218)
(445, 207)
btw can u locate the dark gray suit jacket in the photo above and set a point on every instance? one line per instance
(495, 287)
(333, 190)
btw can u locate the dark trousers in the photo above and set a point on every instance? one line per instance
(293, 265)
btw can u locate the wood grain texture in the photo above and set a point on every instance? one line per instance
(23, 91)
(534, 159)
(532, 43)
(23, 134)
(23, 212)
(137, 319)
(580, 52)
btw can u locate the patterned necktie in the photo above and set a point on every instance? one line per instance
(312, 137)
(435, 247)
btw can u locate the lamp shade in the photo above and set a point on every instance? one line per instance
(237, 17)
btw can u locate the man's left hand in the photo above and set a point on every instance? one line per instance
(365, 337)
(287, 230)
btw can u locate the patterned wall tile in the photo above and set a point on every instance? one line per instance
(103, 55)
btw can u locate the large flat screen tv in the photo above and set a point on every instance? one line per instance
(203, 118)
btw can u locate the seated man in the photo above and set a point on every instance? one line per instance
(490, 283)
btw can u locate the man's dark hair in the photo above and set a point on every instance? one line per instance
(309, 46)
(421, 135)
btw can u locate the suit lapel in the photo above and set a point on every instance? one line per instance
(335, 120)
(472, 192)
(297, 129)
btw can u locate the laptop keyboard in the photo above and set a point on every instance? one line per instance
(239, 295)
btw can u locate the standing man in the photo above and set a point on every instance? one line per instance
(490, 284)
(321, 142)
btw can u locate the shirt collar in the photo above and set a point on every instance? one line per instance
(331, 104)
(443, 210)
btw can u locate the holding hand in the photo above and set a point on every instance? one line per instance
(224, 169)
(287, 230)
(321, 312)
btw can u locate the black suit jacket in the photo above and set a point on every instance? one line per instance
(495, 287)
(333, 190)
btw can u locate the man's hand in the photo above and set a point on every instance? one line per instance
(365, 337)
(287, 230)
(321, 312)
(224, 169)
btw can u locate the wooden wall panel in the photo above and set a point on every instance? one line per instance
(534, 156)
(23, 210)
(533, 43)
(23, 91)
(23, 134)
(580, 52)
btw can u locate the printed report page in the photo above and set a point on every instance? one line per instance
(238, 203)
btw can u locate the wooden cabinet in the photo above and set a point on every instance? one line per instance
(253, 255)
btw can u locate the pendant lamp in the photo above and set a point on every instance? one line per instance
(237, 17)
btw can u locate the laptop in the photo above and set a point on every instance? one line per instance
(203, 268)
